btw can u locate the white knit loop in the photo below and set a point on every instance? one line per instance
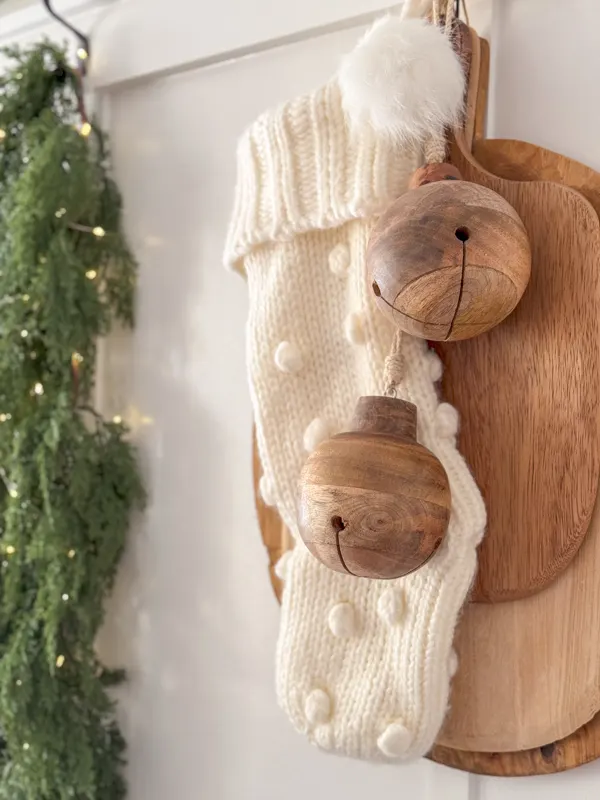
(395, 740)
(317, 707)
(354, 328)
(391, 606)
(339, 260)
(288, 357)
(318, 430)
(342, 620)
(266, 491)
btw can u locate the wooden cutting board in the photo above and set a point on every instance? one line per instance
(528, 446)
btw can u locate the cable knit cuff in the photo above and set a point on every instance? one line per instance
(301, 167)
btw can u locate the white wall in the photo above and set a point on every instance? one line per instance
(193, 617)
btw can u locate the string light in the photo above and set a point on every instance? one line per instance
(25, 298)
(91, 274)
(117, 419)
(24, 333)
(60, 660)
(19, 682)
(76, 358)
(25, 745)
(43, 259)
(13, 492)
(11, 549)
(85, 129)
(71, 553)
(65, 597)
(98, 231)
(2, 134)
(38, 388)
(82, 53)
(5, 564)
(60, 212)
(4, 417)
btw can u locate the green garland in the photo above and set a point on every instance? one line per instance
(69, 480)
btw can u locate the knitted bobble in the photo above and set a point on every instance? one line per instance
(266, 491)
(339, 260)
(318, 430)
(288, 357)
(354, 328)
(317, 707)
(282, 567)
(323, 736)
(453, 663)
(391, 606)
(446, 420)
(395, 740)
(342, 620)
(435, 366)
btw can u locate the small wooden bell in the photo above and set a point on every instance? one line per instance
(448, 259)
(374, 502)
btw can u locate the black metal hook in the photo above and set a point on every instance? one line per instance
(84, 42)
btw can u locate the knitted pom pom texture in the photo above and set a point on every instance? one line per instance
(363, 666)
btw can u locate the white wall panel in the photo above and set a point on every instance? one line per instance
(194, 614)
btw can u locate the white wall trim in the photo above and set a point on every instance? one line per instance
(28, 20)
(125, 49)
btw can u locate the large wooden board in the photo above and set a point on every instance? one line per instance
(516, 656)
(567, 604)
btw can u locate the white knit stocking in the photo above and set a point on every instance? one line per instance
(363, 666)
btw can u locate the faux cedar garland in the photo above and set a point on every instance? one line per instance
(69, 478)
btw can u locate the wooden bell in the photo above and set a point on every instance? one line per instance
(449, 259)
(374, 503)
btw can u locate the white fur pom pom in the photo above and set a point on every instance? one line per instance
(404, 79)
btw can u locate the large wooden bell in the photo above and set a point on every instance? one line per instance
(374, 502)
(449, 259)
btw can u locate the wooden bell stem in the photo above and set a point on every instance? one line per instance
(386, 415)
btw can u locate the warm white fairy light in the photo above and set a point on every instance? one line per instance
(24, 334)
(38, 388)
(117, 419)
(13, 493)
(98, 231)
(25, 298)
(71, 553)
(65, 597)
(85, 129)
(82, 53)
(76, 358)
(60, 660)
(19, 682)
(11, 549)
(4, 417)
(2, 134)
(26, 745)
(91, 274)
(60, 212)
